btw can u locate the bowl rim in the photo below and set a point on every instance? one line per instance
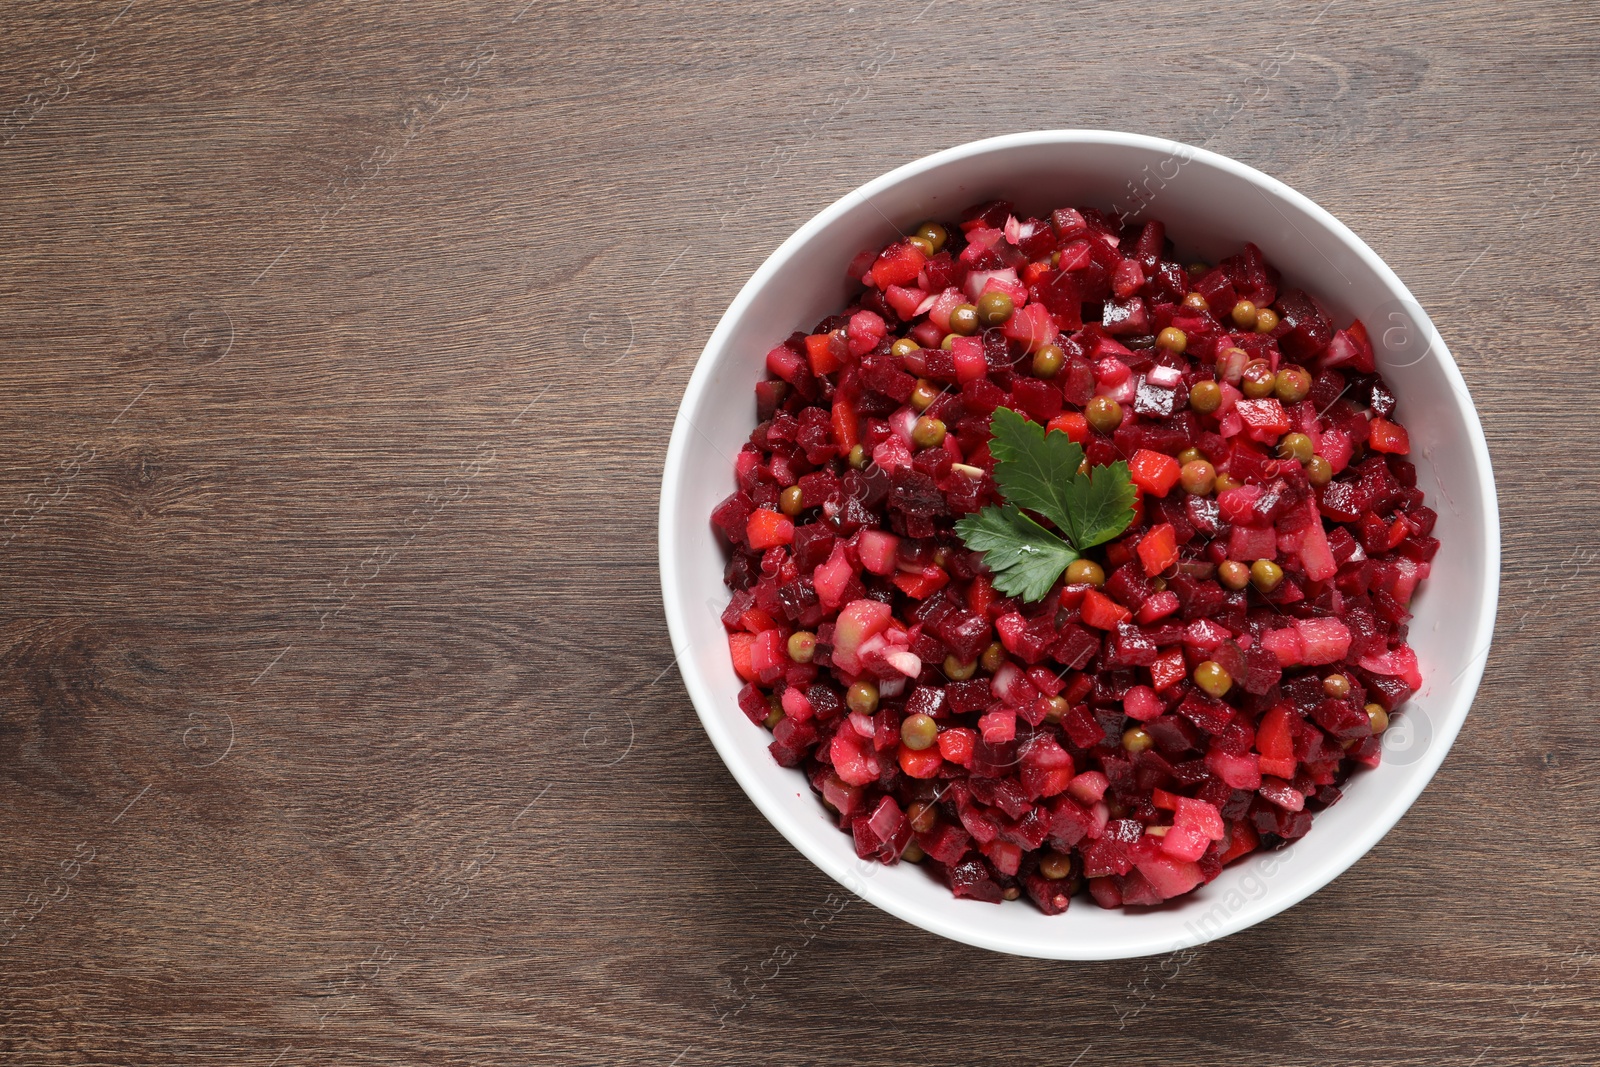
(718, 725)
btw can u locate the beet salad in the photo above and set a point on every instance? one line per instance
(1059, 565)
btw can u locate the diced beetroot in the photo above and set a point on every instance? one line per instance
(732, 516)
(1137, 891)
(964, 633)
(1071, 822)
(1254, 280)
(947, 842)
(832, 579)
(1204, 635)
(1105, 856)
(1129, 646)
(1122, 318)
(843, 797)
(753, 702)
(1005, 855)
(1075, 647)
(1046, 681)
(970, 880)
(1241, 842)
(1140, 702)
(1237, 506)
(1209, 713)
(970, 696)
(1011, 685)
(792, 739)
(1398, 663)
(1105, 892)
(982, 825)
(1046, 767)
(1168, 670)
(1158, 606)
(1128, 585)
(1264, 417)
(1039, 400)
(1081, 727)
(1032, 326)
(1309, 329)
(1053, 896)
(904, 301)
(971, 364)
(1344, 719)
(1282, 794)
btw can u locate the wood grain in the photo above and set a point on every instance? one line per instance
(339, 347)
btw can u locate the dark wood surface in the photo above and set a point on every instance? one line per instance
(339, 345)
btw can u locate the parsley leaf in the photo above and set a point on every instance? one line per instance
(1034, 469)
(1039, 471)
(1101, 505)
(1025, 557)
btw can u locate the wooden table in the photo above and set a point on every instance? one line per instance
(340, 347)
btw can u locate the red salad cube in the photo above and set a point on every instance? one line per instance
(1391, 437)
(1073, 424)
(899, 264)
(1153, 472)
(1158, 549)
(768, 529)
(1101, 612)
(827, 351)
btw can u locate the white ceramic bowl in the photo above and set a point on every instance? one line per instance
(1211, 205)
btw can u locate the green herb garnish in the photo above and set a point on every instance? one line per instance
(1039, 472)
